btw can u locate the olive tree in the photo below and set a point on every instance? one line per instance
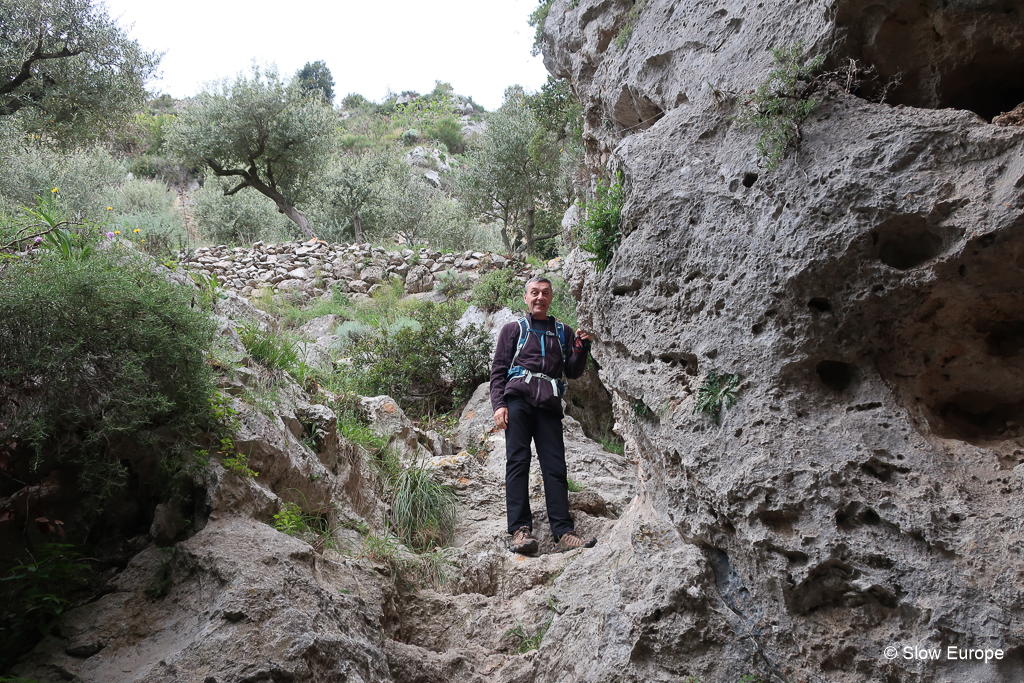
(259, 132)
(513, 172)
(67, 69)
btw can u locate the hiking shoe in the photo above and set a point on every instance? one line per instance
(523, 541)
(570, 541)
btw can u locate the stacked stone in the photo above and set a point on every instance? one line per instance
(314, 267)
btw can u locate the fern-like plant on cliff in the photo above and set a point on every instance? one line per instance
(783, 102)
(716, 392)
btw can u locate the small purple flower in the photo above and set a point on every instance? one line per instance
(110, 234)
(38, 240)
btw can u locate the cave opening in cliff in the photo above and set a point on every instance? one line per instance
(960, 55)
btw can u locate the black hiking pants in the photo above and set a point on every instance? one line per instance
(544, 428)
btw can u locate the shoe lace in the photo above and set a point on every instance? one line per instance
(570, 538)
(522, 534)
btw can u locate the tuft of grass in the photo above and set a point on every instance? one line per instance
(716, 392)
(423, 511)
(573, 485)
(529, 640)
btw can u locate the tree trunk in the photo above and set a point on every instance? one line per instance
(357, 223)
(296, 217)
(529, 230)
(504, 233)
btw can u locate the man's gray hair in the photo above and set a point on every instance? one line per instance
(526, 287)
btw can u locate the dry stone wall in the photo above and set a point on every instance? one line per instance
(315, 267)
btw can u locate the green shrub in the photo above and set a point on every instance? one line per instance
(410, 137)
(96, 354)
(423, 511)
(498, 289)
(716, 392)
(782, 103)
(600, 230)
(448, 130)
(425, 369)
(563, 306)
(84, 178)
(451, 283)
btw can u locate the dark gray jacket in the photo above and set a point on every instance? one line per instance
(537, 392)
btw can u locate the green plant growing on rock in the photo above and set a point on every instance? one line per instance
(573, 485)
(626, 32)
(119, 361)
(783, 102)
(715, 393)
(601, 229)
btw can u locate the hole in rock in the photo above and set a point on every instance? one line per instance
(749, 179)
(836, 375)
(905, 242)
(966, 55)
(757, 328)
(819, 304)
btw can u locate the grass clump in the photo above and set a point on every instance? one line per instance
(573, 485)
(601, 230)
(781, 104)
(270, 348)
(715, 393)
(529, 640)
(423, 510)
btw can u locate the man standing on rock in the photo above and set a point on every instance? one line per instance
(526, 395)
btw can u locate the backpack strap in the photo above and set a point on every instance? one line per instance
(560, 329)
(524, 334)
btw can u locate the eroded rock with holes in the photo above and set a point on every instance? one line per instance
(867, 293)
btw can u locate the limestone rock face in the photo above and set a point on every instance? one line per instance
(861, 492)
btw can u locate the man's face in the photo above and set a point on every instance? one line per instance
(538, 299)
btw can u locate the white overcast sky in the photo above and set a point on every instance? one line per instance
(479, 46)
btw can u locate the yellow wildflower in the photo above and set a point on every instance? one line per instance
(54, 190)
(110, 208)
(117, 232)
(136, 229)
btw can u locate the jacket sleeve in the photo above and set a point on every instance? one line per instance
(503, 352)
(576, 363)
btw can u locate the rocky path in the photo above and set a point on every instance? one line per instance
(240, 601)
